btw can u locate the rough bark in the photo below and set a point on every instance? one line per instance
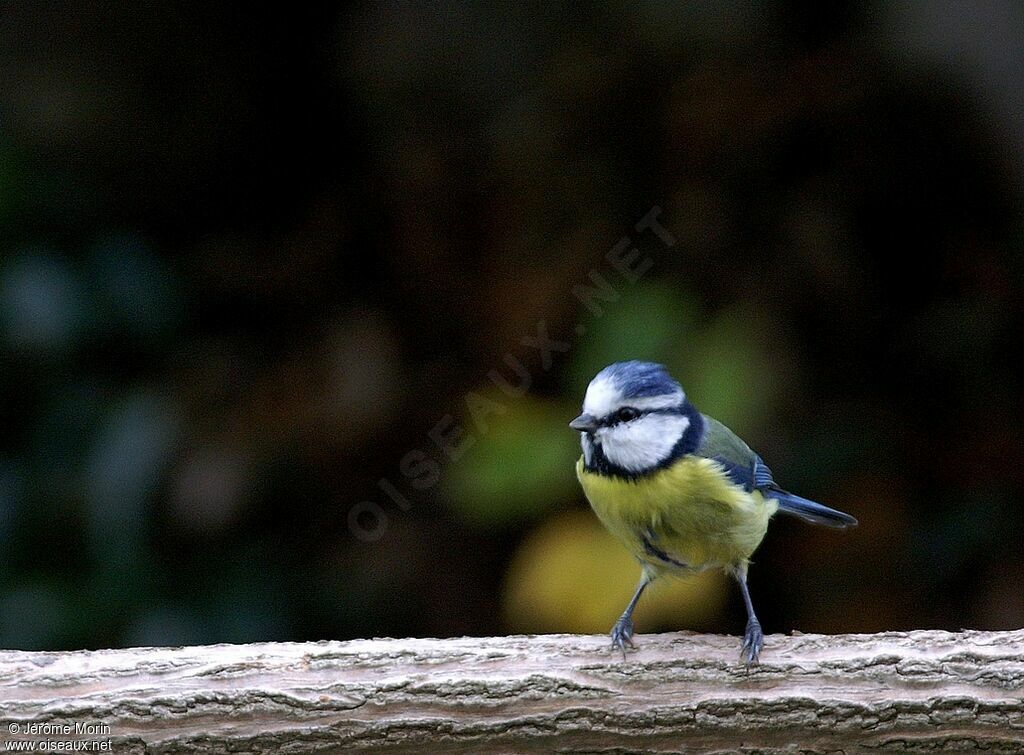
(918, 691)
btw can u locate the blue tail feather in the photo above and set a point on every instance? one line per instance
(810, 511)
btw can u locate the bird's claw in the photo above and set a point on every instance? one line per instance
(622, 635)
(753, 641)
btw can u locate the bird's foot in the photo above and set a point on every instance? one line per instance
(622, 635)
(753, 641)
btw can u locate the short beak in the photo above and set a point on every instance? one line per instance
(584, 423)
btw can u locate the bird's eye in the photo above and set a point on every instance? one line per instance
(626, 413)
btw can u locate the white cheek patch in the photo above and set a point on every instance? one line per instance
(644, 442)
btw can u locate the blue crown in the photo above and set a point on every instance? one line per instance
(636, 379)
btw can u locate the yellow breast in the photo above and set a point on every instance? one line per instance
(694, 512)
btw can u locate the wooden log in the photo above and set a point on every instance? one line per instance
(922, 691)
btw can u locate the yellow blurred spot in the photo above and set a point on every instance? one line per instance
(571, 575)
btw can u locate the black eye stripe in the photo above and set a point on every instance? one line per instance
(616, 417)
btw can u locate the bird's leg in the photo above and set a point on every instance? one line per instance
(622, 632)
(753, 638)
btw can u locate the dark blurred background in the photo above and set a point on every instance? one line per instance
(252, 260)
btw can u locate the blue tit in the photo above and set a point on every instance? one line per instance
(680, 490)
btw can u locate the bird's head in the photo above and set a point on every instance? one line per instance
(635, 419)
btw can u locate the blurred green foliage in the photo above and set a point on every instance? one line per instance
(649, 321)
(520, 468)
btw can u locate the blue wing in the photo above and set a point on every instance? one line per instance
(748, 470)
(758, 477)
(753, 476)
